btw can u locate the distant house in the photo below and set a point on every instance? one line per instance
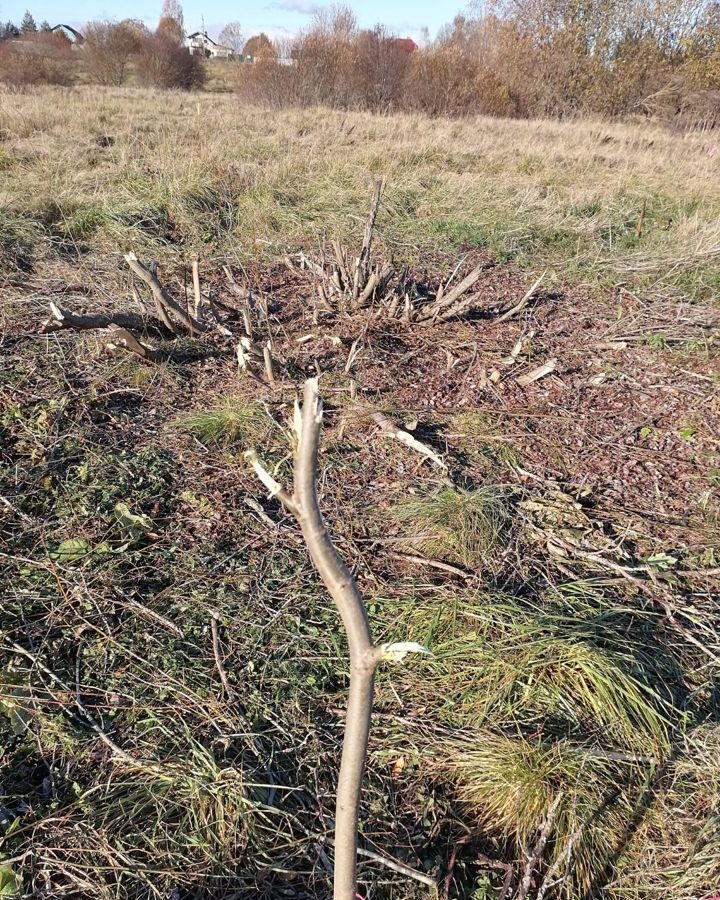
(199, 44)
(407, 45)
(70, 33)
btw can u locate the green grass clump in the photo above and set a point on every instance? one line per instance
(464, 526)
(510, 784)
(232, 421)
(503, 661)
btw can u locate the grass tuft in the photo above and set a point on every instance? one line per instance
(566, 671)
(232, 421)
(464, 526)
(509, 783)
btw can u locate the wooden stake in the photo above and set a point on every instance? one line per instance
(267, 356)
(641, 220)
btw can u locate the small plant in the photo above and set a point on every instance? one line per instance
(231, 422)
(516, 786)
(462, 525)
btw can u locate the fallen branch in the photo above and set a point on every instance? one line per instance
(121, 337)
(519, 307)
(433, 564)
(404, 437)
(63, 318)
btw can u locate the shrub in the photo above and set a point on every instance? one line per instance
(108, 49)
(164, 63)
(42, 61)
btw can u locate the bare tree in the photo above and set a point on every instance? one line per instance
(172, 20)
(231, 36)
(108, 49)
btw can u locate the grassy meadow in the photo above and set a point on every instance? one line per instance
(174, 174)
(173, 675)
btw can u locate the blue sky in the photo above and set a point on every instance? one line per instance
(277, 17)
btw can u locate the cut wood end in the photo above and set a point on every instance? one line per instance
(538, 373)
(311, 397)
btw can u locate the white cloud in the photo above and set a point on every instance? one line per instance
(296, 6)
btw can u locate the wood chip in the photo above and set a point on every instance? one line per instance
(610, 345)
(537, 374)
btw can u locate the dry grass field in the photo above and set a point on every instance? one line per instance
(182, 174)
(173, 675)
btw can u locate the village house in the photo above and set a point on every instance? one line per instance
(75, 38)
(199, 44)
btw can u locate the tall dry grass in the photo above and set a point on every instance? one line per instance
(206, 173)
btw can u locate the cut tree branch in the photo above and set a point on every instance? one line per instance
(364, 654)
(63, 318)
(163, 301)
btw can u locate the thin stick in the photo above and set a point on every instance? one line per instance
(196, 286)
(537, 850)
(397, 867)
(362, 269)
(404, 437)
(364, 655)
(433, 564)
(155, 616)
(523, 303)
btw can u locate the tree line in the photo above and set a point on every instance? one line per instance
(518, 58)
(29, 55)
(10, 31)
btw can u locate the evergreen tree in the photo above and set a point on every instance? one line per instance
(45, 26)
(8, 31)
(28, 26)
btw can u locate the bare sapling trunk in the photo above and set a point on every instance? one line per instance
(364, 654)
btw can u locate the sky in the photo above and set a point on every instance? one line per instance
(278, 18)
